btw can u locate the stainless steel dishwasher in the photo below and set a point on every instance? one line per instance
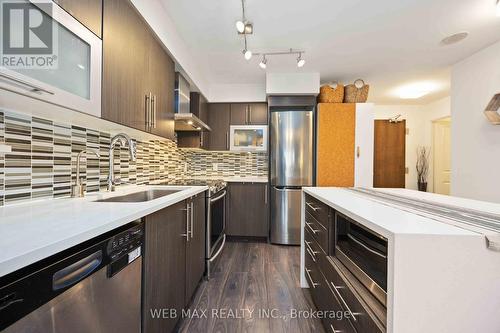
(93, 287)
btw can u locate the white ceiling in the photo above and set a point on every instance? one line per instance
(386, 42)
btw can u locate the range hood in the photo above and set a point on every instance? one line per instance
(184, 119)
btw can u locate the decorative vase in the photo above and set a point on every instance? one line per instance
(422, 187)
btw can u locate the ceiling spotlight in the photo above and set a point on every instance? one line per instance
(190, 122)
(300, 62)
(455, 38)
(263, 62)
(240, 26)
(248, 54)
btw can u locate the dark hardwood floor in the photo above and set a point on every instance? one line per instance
(250, 279)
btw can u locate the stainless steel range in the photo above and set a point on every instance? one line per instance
(215, 215)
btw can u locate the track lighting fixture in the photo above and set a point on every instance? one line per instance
(248, 54)
(300, 61)
(263, 62)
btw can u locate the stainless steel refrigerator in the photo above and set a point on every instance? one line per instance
(291, 168)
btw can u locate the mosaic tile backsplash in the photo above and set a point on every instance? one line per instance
(42, 163)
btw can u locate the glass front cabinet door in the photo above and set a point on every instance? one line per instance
(50, 56)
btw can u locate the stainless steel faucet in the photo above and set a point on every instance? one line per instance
(123, 140)
(78, 190)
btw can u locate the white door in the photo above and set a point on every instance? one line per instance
(442, 155)
(363, 137)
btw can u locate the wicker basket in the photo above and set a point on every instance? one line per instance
(331, 94)
(356, 92)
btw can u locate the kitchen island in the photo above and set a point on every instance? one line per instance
(441, 276)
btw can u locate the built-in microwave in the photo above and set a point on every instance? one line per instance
(48, 55)
(363, 252)
(248, 138)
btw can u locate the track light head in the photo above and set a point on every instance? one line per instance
(240, 26)
(247, 54)
(263, 62)
(300, 62)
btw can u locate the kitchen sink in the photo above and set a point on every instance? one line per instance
(140, 196)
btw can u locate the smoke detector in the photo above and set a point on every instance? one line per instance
(455, 38)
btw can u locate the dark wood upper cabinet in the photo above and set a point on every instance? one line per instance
(136, 69)
(195, 248)
(126, 41)
(257, 114)
(88, 12)
(239, 114)
(249, 114)
(219, 115)
(248, 210)
(164, 266)
(162, 85)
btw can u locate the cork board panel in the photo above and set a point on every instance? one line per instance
(336, 126)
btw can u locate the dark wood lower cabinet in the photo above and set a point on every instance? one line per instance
(195, 247)
(174, 262)
(164, 267)
(248, 210)
(351, 308)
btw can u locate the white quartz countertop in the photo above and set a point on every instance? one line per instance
(386, 220)
(36, 230)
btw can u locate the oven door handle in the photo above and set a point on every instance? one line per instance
(220, 249)
(219, 197)
(360, 243)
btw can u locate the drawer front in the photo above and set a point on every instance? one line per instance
(317, 285)
(317, 209)
(318, 231)
(322, 295)
(361, 319)
(339, 322)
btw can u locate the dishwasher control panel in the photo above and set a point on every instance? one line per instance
(125, 242)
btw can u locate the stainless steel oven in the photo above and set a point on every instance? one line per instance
(216, 225)
(364, 253)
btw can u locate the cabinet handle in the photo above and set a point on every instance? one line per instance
(153, 108)
(227, 140)
(201, 139)
(314, 284)
(148, 107)
(246, 114)
(310, 248)
(314, 231)
(265, 194)
(34, 88)
(313, 257)
(353, 314)
(358, 151)
(249, 114)
(312, 207)
(334, 330)
(192, 219)
(187, 222)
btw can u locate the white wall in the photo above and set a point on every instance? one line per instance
(475, 154)
(419, 122)
(224, 93)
